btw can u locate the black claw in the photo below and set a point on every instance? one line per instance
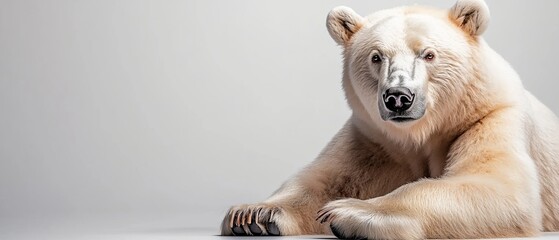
(238, 231)
(273, 229)
(325, 218)
(321, 214)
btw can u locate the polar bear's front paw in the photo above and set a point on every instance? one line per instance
(359, 219)
(258, 219)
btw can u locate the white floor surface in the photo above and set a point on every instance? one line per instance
(172, 227)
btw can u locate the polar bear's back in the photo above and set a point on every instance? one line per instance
(544, 149)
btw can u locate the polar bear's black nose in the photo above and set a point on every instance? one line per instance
(398, 99)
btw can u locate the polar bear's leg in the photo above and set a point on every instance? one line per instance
(346, 168)
(489, 189)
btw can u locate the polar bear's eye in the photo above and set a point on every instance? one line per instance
(376, 58)
(429, 56)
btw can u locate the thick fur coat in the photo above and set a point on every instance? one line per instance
(444, 141)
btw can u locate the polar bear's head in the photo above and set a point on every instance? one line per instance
(406, 64)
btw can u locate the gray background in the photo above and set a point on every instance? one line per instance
(123, 116)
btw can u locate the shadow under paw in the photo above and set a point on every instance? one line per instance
(338, 233)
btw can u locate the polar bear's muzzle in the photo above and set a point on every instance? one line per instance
(401, 89)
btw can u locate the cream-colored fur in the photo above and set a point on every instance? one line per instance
(481, 161)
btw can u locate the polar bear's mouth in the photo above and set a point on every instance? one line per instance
(402, 119)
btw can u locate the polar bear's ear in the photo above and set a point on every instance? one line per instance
(471, 15)
(342, 23)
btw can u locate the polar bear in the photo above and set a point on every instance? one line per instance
(443, 142)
